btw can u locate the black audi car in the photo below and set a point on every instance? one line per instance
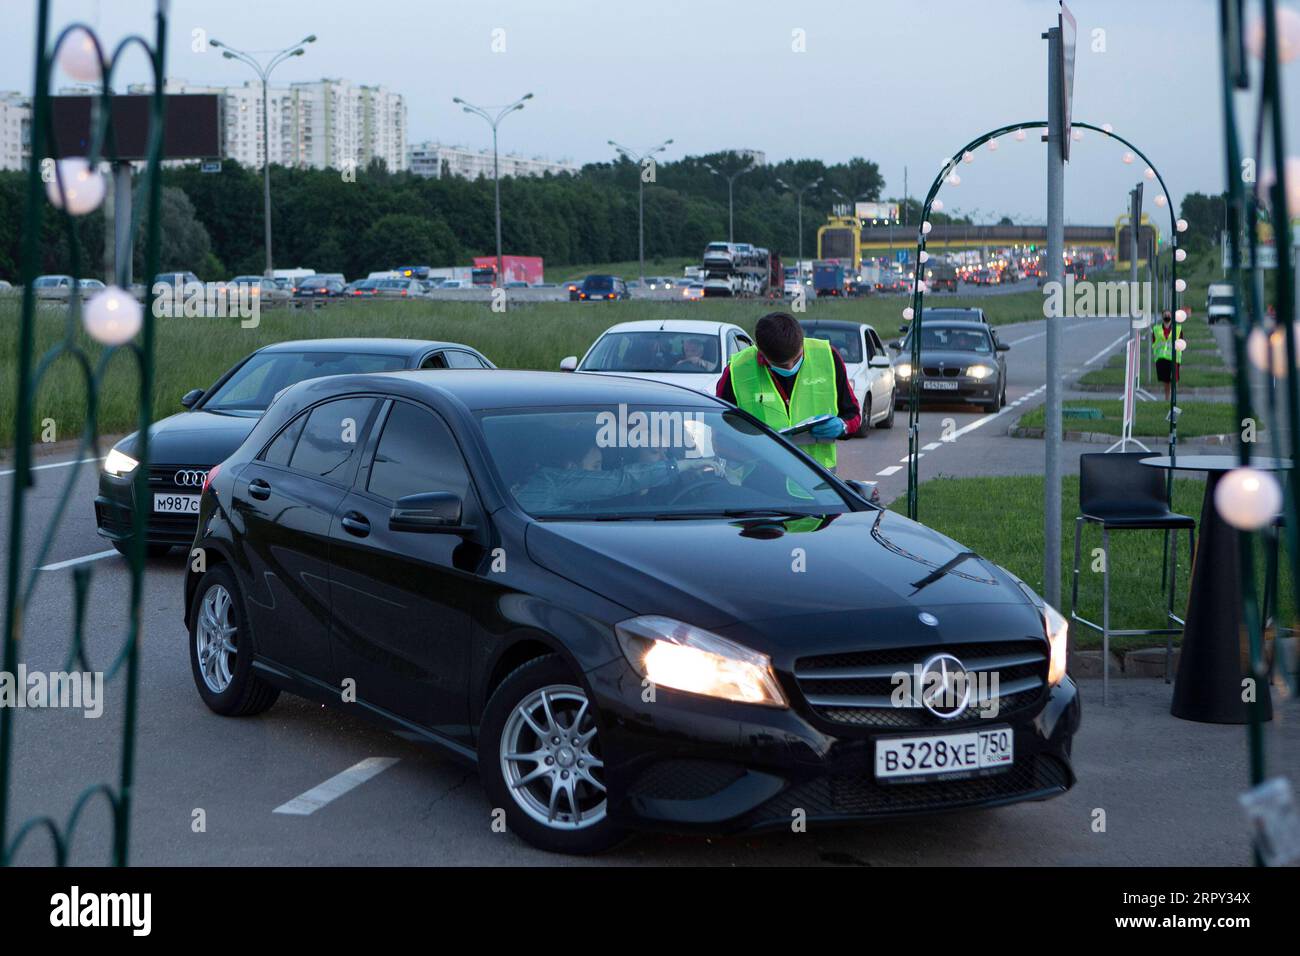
(216, 421)
(961, 361)
(706, 631)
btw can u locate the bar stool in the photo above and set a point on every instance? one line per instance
(1118, 493)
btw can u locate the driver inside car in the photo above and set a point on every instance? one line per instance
(579, 478)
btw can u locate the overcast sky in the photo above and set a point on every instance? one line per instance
(900, 82)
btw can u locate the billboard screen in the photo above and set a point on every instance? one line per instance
(191, 126)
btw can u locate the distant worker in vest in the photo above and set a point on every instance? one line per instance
(785, 379)
(1169, 358)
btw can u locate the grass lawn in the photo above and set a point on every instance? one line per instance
(1197, 418)
(192, 353)
(1191, 377)
(1013, 538)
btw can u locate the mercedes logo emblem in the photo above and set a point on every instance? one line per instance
(945, 686)
(189, 478)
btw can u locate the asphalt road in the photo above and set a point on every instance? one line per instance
(1168, 788)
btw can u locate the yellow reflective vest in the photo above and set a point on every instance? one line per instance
(814, 392)
(1162, 345)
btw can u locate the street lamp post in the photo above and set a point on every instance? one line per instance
(494, 122)
(798, 192)
(263, 72)
(638, 159)
(731, 182)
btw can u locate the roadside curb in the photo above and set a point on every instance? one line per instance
(1105, 438)
(1206, 391)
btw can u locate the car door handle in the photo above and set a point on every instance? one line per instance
(355, 523)
(259, 489)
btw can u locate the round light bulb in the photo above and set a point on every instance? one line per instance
(79, 58)
(1180, 316)
(1128, 159)
(83, 187)
(112, 316)
(926, 227)
(1020, 136)
(925, 256)
(1247, 498)
(1181, 285)
(954, 180)
(993, 146)
(1161, 201)
(1076, 135)
(1150, 173)
(937, 205)
(1181, 225)
(920, 285)
(1107, 128)
(908, 313)
(1288, 35)
(968, 157)
(1267, 351)
(1180, 254)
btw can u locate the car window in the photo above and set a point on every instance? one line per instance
(656, 351)
(416, 454)
(456, 358)
(264, 375)
(331, 438)
(436, 360)
(877, 346)
(281, 448)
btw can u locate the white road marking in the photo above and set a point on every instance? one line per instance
(1028, 338)
(1103, 352)
(904, 461)
(886, 472)
(932, 446)
(308, 803)
(57, 464)
(85, 559)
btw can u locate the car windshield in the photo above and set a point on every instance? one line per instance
(952, 340)
(848, 342)
(640, 462)
(598, 283)
(657, 351)
(264, 375)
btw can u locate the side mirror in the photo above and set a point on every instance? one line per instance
(903, 329)
(879, 361)
(191, 398)
(896, 345)
(1004, 347)
(866, 490)
(433, 512)
(568, 363)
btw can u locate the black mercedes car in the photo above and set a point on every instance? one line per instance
(633, 605)
(216, 420)
(961, 361)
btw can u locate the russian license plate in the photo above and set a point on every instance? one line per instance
(176, 504)
(941, 386)
(944, 754)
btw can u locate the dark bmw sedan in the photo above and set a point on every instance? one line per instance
(961, 361)
(217, 420)
(634, 606)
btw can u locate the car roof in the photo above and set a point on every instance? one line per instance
(832, 324)
(363, 346)
(955, 323)
(697, 326)
(480, 389)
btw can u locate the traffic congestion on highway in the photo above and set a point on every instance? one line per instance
(376, 501)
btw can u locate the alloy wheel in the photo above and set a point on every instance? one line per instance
(550, 758)
(214, 638)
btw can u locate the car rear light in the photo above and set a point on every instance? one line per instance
(207, 479)
(610, 296)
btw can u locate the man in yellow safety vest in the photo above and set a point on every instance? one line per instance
(1165, 350)
(785, 379)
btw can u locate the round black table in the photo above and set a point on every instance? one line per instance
(1215, 654)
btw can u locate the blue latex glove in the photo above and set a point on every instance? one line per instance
(831, 428)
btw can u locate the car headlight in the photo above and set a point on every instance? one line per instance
(117, 464)
(1057, 629)
(673, 654)
(903, 369)
(979, 371)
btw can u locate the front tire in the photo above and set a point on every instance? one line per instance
(540, 760)
(221, 649)
(888, 420)
(865, 426)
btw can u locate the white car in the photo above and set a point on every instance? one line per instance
(676, 351)
(868, 364)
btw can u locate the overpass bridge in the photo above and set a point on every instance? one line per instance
(949, 236)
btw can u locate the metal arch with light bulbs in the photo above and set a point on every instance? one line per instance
(21, 574)
(918, 288)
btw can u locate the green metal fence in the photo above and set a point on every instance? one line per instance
(50, 193)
